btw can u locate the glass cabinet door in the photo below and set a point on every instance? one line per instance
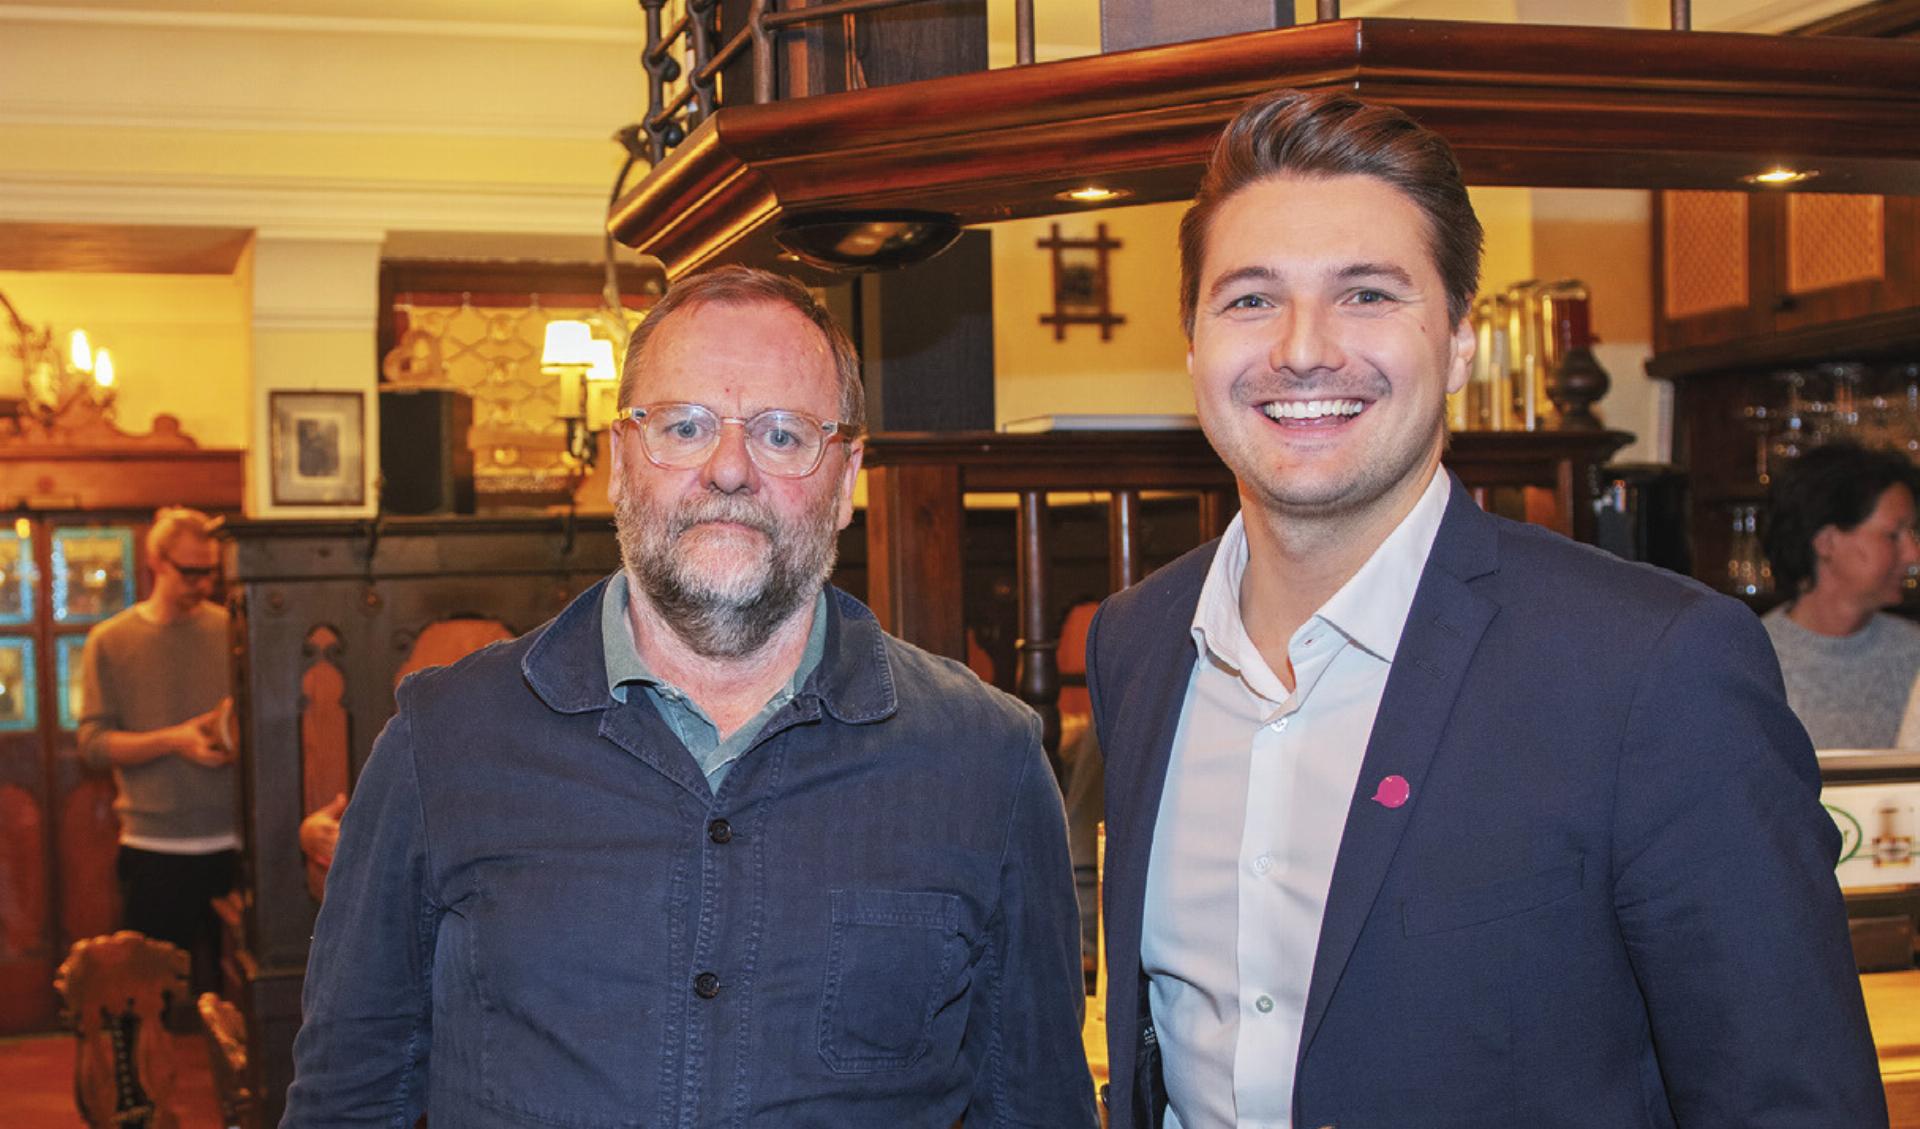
(93, 575)
(67, 672)
(19, 704)
(17, 574)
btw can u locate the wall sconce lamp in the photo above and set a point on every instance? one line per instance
(587, 376)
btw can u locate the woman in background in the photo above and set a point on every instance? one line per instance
(1840, 537)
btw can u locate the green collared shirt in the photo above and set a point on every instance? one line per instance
(682, 714)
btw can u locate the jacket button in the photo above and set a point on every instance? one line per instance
(706, 985)
(719, 831)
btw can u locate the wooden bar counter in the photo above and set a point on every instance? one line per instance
(1893, 1007)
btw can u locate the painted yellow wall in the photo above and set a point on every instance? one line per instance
(179, 342)
(1142, 369)
(1598, 236)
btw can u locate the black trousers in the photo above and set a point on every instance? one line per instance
(170, 898)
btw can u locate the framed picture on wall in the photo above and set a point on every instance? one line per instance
(319, 442)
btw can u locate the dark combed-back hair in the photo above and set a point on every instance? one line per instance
(1324, 133)
(1837, 484)
(740, 286)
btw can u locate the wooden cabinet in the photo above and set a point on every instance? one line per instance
(73, 519)
(328, 616)
(1737, 265)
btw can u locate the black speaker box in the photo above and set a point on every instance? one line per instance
(426, 466)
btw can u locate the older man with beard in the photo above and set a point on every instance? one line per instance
(709, 848)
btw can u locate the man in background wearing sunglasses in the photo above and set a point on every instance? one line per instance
(153, 683)
(709, 848)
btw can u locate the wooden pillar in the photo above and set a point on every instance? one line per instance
(1216, 510)
(914, 564)
(1123, 539)
(1038, 679)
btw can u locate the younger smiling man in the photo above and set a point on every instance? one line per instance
(708, 849)
(1415, 816)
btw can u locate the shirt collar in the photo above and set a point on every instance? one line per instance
(1370, 608)
(622, 653)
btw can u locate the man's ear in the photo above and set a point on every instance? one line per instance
(849, 476)
(1823, 541)
(616, 476)
(1460, 356)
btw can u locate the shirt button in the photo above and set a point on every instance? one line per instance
(719, 831)
(1262, 864)
(707, 985)
(1263, 1004)
(1280, 726)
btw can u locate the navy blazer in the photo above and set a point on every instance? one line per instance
(1610, 900)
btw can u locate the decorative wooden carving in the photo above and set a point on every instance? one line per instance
(83, 423)
(1521, 104)
(226, 1034)
(323, 734)
(116, 990)
(1081, 294)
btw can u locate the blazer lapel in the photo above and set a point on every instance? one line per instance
(1444, 626)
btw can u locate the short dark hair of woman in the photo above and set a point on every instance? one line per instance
(1838, 484)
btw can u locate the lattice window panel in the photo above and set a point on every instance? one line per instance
(492, 353)
(1705, 252)
(1834, 240)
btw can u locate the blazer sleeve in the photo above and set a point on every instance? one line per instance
(361, 1055)
(1725, 894)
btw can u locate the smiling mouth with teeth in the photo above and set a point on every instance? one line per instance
(1312, 410)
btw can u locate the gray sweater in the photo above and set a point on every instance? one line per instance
(140, 676)
(1849, 690)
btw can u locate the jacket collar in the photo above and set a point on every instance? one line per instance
(566, 664)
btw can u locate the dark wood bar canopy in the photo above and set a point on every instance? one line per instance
(1522, 105)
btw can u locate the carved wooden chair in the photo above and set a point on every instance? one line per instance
(116, 990)
(227, 1050)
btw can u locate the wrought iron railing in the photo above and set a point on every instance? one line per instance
(687, 48)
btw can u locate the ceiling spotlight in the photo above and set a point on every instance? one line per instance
(1777, 176)
(1092, 194)
(866, 240)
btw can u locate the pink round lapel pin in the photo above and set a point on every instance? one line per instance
(1392, 792)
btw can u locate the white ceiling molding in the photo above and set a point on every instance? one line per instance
(76, 112)
(308, 207)
(334, 25)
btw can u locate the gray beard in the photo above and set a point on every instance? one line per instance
(726, 617)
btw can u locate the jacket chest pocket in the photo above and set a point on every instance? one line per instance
(1493, 901)
(889, 958)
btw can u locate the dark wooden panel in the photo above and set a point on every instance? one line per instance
(914, 563)
(926, 341)
(1127, 24)
(1535, 105)
(375, 589)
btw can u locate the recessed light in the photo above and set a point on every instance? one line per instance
(1778, 176)
(1092, 194)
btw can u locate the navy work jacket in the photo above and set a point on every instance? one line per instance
(540, 915)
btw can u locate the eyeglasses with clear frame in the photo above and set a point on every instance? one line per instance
(783, 443)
